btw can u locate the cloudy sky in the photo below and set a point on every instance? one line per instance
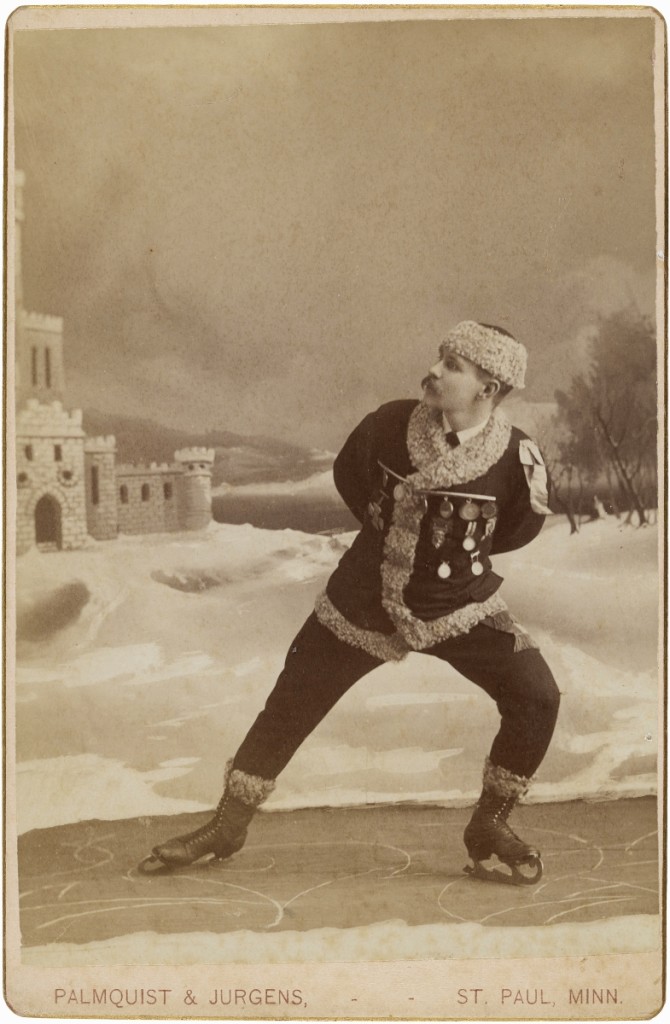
(268, 229)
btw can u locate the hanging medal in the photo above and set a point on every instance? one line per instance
(438, 532)
(446, 508)
(469, 510)
(490, 527)
(374, 511)
(475, 565)
(469, 542)
(444, 570)
(489, 510)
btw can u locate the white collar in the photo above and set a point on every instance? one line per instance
(469, 432)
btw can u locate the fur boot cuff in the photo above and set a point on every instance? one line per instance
(248, 789)
(504, 782)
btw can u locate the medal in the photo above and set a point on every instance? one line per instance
(446, 508)
(374, 511)
(444, 570)
(489, 510)
(469, 510)
(490, 527)
(469, 542)
(476, 566)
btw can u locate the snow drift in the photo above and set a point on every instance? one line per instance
(130, 702)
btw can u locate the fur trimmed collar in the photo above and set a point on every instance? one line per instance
(440, 466)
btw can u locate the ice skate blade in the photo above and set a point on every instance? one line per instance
(515, 876)
(154, 865)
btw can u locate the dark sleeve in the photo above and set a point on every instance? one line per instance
(517, 523)
(353, 467)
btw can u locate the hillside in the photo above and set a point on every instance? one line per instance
(239, 458)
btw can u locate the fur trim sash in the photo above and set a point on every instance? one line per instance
(379, 645)
(396, 646)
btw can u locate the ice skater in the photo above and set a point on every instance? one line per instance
(438, 485)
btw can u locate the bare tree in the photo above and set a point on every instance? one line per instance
(610, 410)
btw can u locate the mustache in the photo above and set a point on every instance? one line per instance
(428, 381)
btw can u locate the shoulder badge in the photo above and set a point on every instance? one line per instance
(536, 476)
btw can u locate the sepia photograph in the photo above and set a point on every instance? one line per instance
(335, 512)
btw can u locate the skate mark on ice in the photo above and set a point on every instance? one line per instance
(578, 839)
(130, 904)
(70, 885)
(278, 907)
(445, 910)
(330, 881)
(346, 843)
(125, 906)
(641, 839)
(628, 885)
(78, 847)
(559, 901)
(587, 906)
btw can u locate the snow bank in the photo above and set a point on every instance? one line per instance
(319, 485)
(152, 680)
(389, 940)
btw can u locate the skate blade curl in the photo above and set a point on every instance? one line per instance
(514, 877)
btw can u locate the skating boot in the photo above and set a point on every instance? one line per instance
(488, 833)
(224, 834)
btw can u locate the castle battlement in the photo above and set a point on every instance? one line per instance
(140, 469)
(100, 445)
(48, 419)
(195, 455)
(42, 322)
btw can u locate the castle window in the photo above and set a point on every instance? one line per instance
(191, 466)
(95, 485)
(67, 474)
(22, 478)
(47, 366)
(123, 494)
(203, 466)
(28, 450)
(167, 491)
(33, 365)
(58, 453)
(146, 492)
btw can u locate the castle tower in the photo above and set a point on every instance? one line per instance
(40, 372)
(195, 487)
(51, 507)
(100, 474)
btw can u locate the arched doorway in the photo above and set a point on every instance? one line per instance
(48, 532)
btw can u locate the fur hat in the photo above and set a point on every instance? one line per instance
(491, 348)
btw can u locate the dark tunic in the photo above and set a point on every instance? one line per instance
(388, 581)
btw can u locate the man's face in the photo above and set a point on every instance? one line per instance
(453, 384)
